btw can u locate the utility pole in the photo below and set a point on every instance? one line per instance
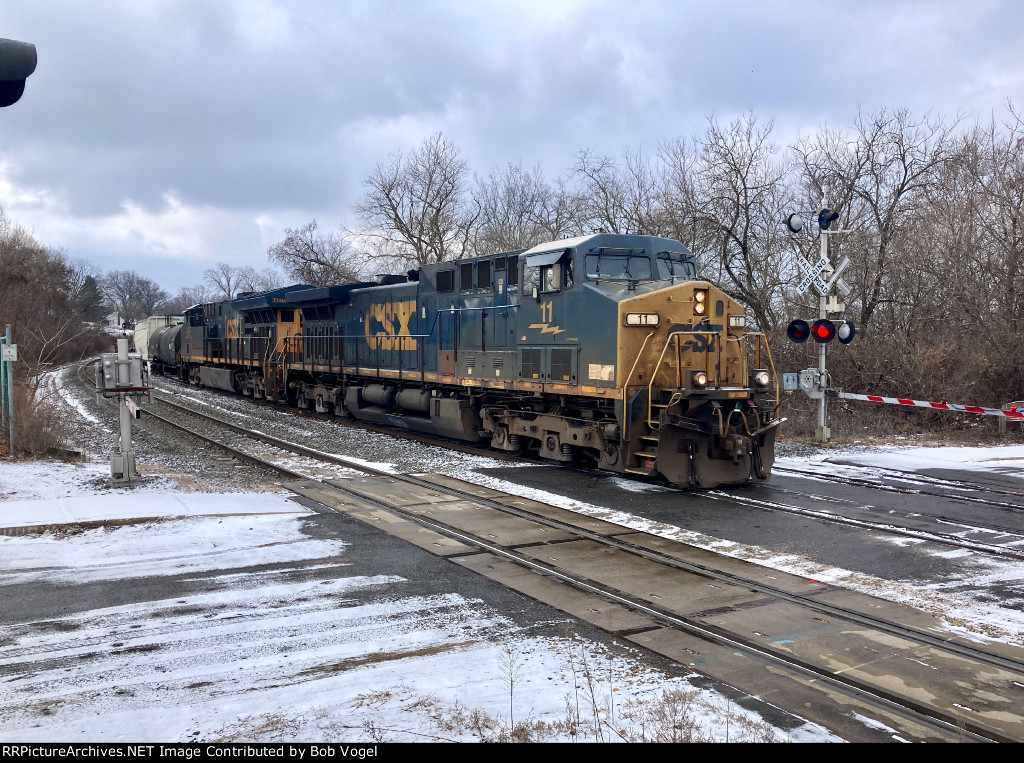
(8, 354)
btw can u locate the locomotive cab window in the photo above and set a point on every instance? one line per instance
(547, 272)
(551, 278)
(618, 267)
(676, 266)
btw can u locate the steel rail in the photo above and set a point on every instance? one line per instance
(891, 700)
(932, 640)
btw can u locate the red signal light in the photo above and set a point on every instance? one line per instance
(823, 331)
(798, 331)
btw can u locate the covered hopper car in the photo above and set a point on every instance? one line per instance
(605, 350)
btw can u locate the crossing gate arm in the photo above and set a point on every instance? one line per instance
(943, 406)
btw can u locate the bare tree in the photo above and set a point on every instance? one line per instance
(315, 258)
(562, 211)
(188, 297)
(223, 277)
(999, 173)
(620, 198)
(511, 203)
(252, 280)
(417, 208)
(723, 194)
(133, 296)
(878, 177)
(36, 298)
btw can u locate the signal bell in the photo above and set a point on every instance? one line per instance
(798, 331)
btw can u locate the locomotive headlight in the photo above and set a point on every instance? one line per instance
(700, 379)
(700, 302)
(737, 321)
(762, 378)
(642, 319)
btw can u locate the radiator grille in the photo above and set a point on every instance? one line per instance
(561, 365)
(530, 364)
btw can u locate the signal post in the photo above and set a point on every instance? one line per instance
(121, 376)
(825, 278)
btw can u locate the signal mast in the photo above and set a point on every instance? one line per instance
(814, 382)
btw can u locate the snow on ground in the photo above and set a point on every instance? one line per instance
(270, 655)
(280, 654)
(42, 493)
(1006, 460)
(54, 387)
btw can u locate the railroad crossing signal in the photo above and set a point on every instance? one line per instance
(824, 278)
(17, 62)
(826, 217)
(798, 331)
(845, 332)
(822, 331)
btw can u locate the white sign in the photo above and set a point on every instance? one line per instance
(802, 286)
(132, 407)
(843, 265)
(825, 281)
(9, 352)
(813, 275)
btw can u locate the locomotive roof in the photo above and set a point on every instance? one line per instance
(337, 293)
(654, 244)
(254, 300)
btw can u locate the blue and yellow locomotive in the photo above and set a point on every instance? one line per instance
(604, 350)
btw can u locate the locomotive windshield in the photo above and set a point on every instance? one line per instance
(619, 266)
(676, 265)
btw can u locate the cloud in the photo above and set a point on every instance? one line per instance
(210, 116)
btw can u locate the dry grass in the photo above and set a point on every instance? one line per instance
(591, 715)
(41, 427)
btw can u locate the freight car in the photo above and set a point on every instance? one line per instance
(163, 345)
(605, 350)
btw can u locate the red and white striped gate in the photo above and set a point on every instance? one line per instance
(1011, 413)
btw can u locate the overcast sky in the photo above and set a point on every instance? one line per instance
(165, 135)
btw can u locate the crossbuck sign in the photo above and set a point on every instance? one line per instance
(820, 271)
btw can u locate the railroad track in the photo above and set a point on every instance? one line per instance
(944, 530)
(942, 488)
(423, 439)
(693, 606)
(918, 527)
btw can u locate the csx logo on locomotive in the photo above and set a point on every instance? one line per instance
(700, 342)
(386, 322)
